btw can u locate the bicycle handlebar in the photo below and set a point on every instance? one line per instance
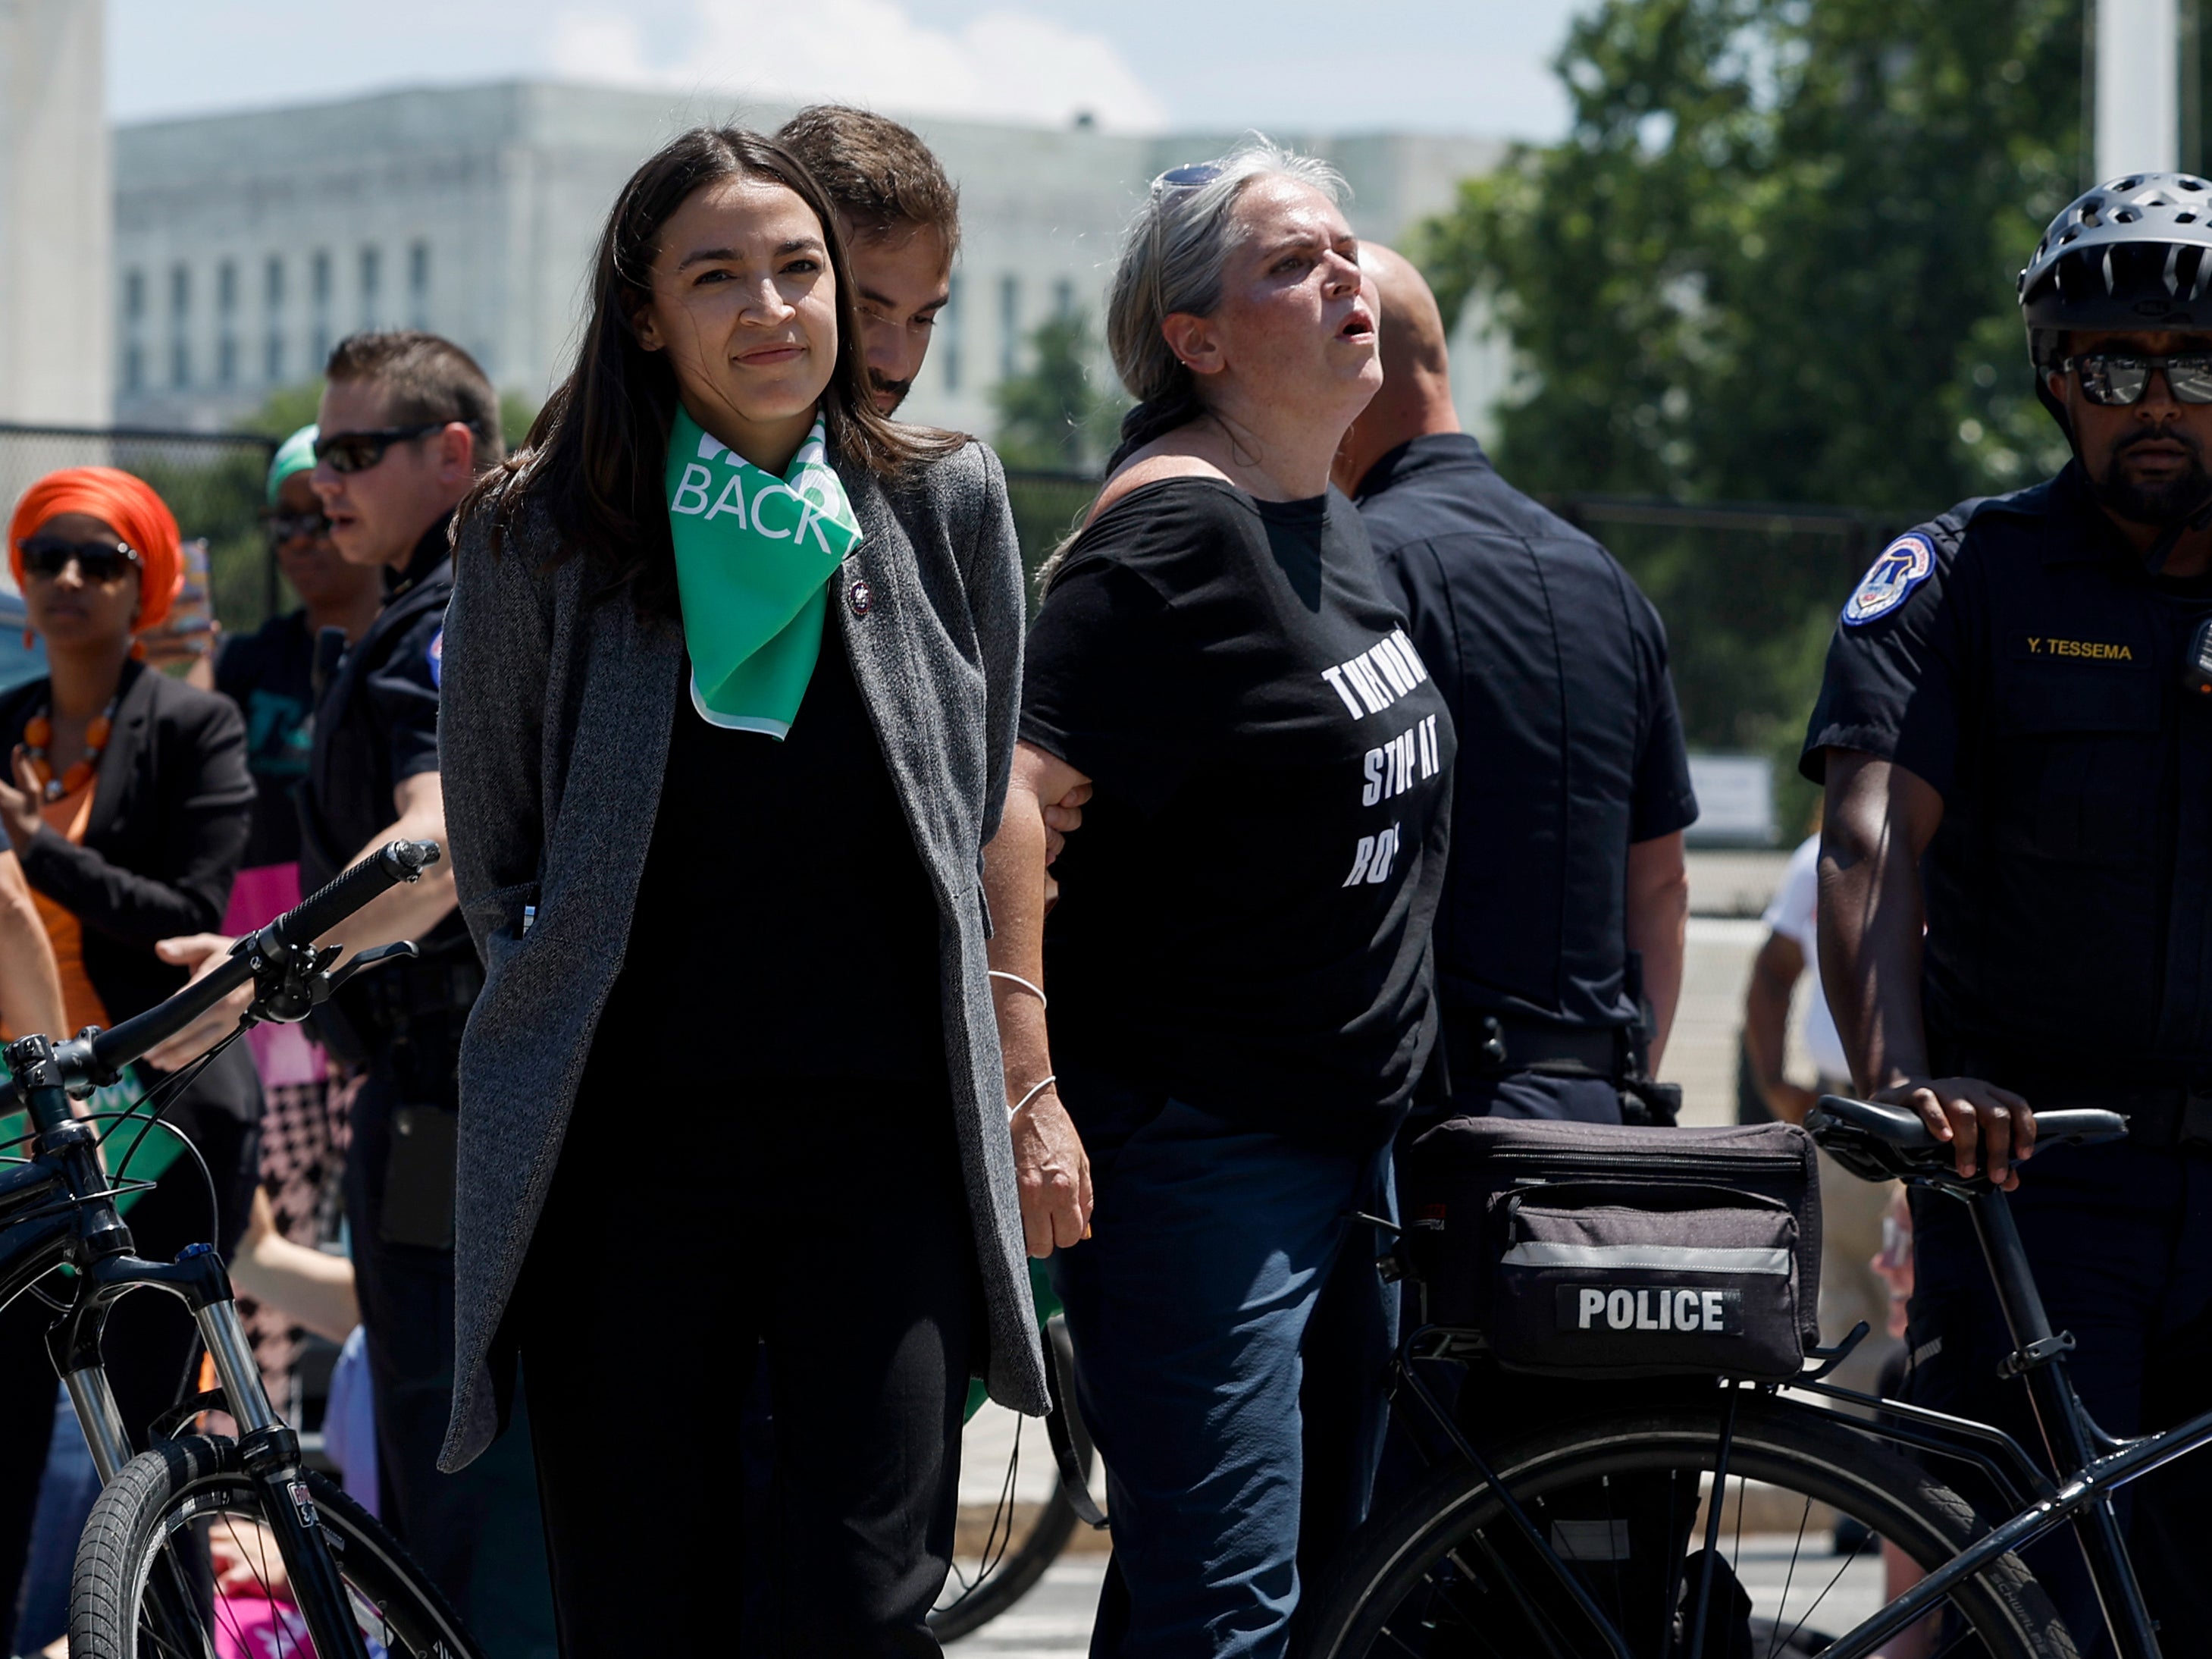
(1880, 1142)
(396, 862)
(350, 889)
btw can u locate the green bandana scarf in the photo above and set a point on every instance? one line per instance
(754, 556)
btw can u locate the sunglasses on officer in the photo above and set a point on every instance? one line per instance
(2116, 380)
(357, 452)
(47, 556)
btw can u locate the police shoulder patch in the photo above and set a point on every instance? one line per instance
(437, 654)
(1902, 567)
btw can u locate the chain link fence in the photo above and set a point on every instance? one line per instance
(1047, 507)
(1749, 593)
(1748, 590)
(213, 482)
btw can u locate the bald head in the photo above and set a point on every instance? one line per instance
(1412, 327)
(1416, 395)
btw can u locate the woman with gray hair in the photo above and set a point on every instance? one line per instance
(1239, 963)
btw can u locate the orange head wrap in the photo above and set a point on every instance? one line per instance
(126, 504)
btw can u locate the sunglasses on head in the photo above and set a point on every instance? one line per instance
(295, 526)
(101, 562)
(2115, 379)
(1188, 177)
(357, 452)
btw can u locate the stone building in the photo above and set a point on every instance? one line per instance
(246, 243)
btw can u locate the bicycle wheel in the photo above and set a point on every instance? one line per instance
(175, 1561)
(1007, 1545)
(1622, 1501)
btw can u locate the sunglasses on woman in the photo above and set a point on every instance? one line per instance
(101, 562)
(2115, 379)
(284, 527)
(1190, 176)
(357, 452)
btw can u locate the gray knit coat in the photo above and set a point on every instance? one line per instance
(553, 734)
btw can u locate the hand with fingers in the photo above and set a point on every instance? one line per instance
(18, 803)
(1987, 1126)
(1063, 818)
(1052, 1175)
(203, 953)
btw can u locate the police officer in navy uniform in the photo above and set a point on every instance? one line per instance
(408, 421)
(2015, 738)
(1565, 900)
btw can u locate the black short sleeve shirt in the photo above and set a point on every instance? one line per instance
(376, 724)
(1244, 916)
(2016, 655)
(1570, 743)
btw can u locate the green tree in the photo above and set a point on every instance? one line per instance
(516, 412)
(1053, 417)
(1773, 260)
(285, 410)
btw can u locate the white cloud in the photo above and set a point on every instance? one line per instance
(599, 46)
(1002, 65)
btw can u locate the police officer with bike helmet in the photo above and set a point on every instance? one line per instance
(2015, 738)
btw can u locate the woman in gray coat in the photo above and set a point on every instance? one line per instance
(731, 677)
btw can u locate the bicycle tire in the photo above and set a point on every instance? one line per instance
(183, 1486)
(1017, 1572)
(1392, 1573)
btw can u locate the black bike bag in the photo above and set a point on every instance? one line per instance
(1588, 1249)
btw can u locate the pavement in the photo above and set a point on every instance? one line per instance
(1053, 1619)
(1728, 892)
(1828, 1594)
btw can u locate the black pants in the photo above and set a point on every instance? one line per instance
(828, 1219)
(476, 1533)
(150, 1338)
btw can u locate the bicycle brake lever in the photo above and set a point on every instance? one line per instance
(328, 985)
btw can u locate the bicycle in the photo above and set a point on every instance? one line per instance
(182, 1531)
(1568, 1540)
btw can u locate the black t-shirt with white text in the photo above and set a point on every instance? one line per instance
(1244, 916)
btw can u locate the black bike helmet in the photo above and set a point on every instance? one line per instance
(2133, 254)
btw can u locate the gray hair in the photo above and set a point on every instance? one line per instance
(1172, 259)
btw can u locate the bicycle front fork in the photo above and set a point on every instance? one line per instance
(268, 1447)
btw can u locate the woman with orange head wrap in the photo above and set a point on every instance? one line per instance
(124, 796)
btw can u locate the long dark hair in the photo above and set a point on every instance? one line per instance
(598, 450)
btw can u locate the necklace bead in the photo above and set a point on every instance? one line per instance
(38, 736)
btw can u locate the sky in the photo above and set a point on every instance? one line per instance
(1468, 66)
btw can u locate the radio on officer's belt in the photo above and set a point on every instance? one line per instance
(2196, 667)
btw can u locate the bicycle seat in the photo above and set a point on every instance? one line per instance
(1876, 1142)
